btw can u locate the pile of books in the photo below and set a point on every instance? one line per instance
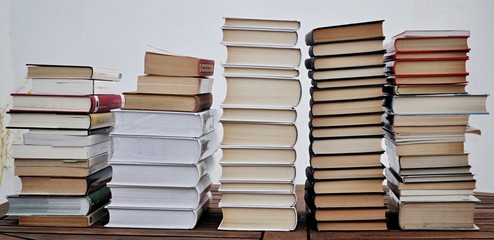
(258, 168)
(165, 145)
(344, 188)
(427, 115)
(63, 161)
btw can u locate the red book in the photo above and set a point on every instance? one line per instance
(23, 102)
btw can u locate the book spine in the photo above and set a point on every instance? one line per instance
(105, 74)
(98, 198)
(203, 102)
(311, 51)
(205, 67)
(310, 74)
(309, 63)
(98, 179)
(309, 38)
(101, 119)
(105, 103)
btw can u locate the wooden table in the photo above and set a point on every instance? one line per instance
(206, 228)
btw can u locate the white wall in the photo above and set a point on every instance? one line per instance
(115, 34)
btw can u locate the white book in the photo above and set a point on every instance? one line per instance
(151, 217)
(64, 140)
(258, 219)
(155, 174)
(58, 152)
(257, 200)
(74, 86)
(159, 196)
(162, 123)
(156, 149)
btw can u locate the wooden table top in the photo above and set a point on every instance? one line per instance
(207, 228)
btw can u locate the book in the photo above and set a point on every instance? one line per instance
(162, 175)
(345, 61)
(60, 167)
(349, 82)
(65, 103)
(347, 131)
(425, 120)
(235, 70)
(153, 217)
(261, 23)
(165, 64)
(258, 114)
(263, 91)
(350, 173)
(75, 132)
(350, 214)
(425, 89)
(429, 41)
(256, 218)
(252, 172)
(450, 177)
(161, 150)
(60, 152)
(257, 200)
(347, 107)
(259, 36)
(174, 85)
(263, 56)
(64, 221)
(435, 215)
(346, 161)
(346, 120)
(58, 121)
(350, 200)
(371, 225)
(257, 187)
(258, 156)
(63, 140)
(435, 171)
(420, 149)
(419, 55)
(346, 93)
(398, 131)
(353, 31)
(65, 186)
(346, 145)
(74, 86)
(359, 46)
(26, 205)
(259, 134)
(71, 72)
(165, 123)
(437, 104)
(427, 79)
(127, 195)
(398, 163)
(347, 73)
(162, 102)
(427, 67)
(345, 186)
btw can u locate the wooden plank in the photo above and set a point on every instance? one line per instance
(10, 237)
(4, 208)
(41, 236)
(403, 235)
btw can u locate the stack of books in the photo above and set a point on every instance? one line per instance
(63, 161)
(428, 109)
(258, 168)
(165, 145)
(344, 180)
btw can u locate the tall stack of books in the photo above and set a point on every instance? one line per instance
(428, 108)
(165, 145)
(258, 168)
(344, 180)
(63, 161)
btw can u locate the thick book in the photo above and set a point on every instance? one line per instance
(346, 131)
(425, 120)
(361, 106)
(65, 103)
(60, 167)
(263, 56)
(346, 186)
(263, 92)
(417, 89)
(158, 149)
(242, 155)
(174, 85)
(349, 200)
(259, 36)
(345, 120)
(349, 82)
(259, 173)
(427, 67)
(74, 132)
(350, 214)
(346, 93)
(65, 186)
(259, 134)
(427, 79)
(371, 225)
(165, 123)
(175, 65)
(359, 46)
(426, 55)
(260, 23)
(346, 73)
(63, 140)
(156, 174)
(353, 31)
(64, 221)
(437, 104)
(345, 161)
(235, 70)
(56, 121)
(72, 72)
(60, 152)
(229, 199)
(74, 86)
(257, 187)
(258, 114)
(154, 217)
(258, 218)
(164, 102)
(346, 145)
(423, 41)
(27, 205)
(335, 174)
(345, 61)
(414, 163)
(159, 196)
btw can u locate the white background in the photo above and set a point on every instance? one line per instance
(115, 34)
